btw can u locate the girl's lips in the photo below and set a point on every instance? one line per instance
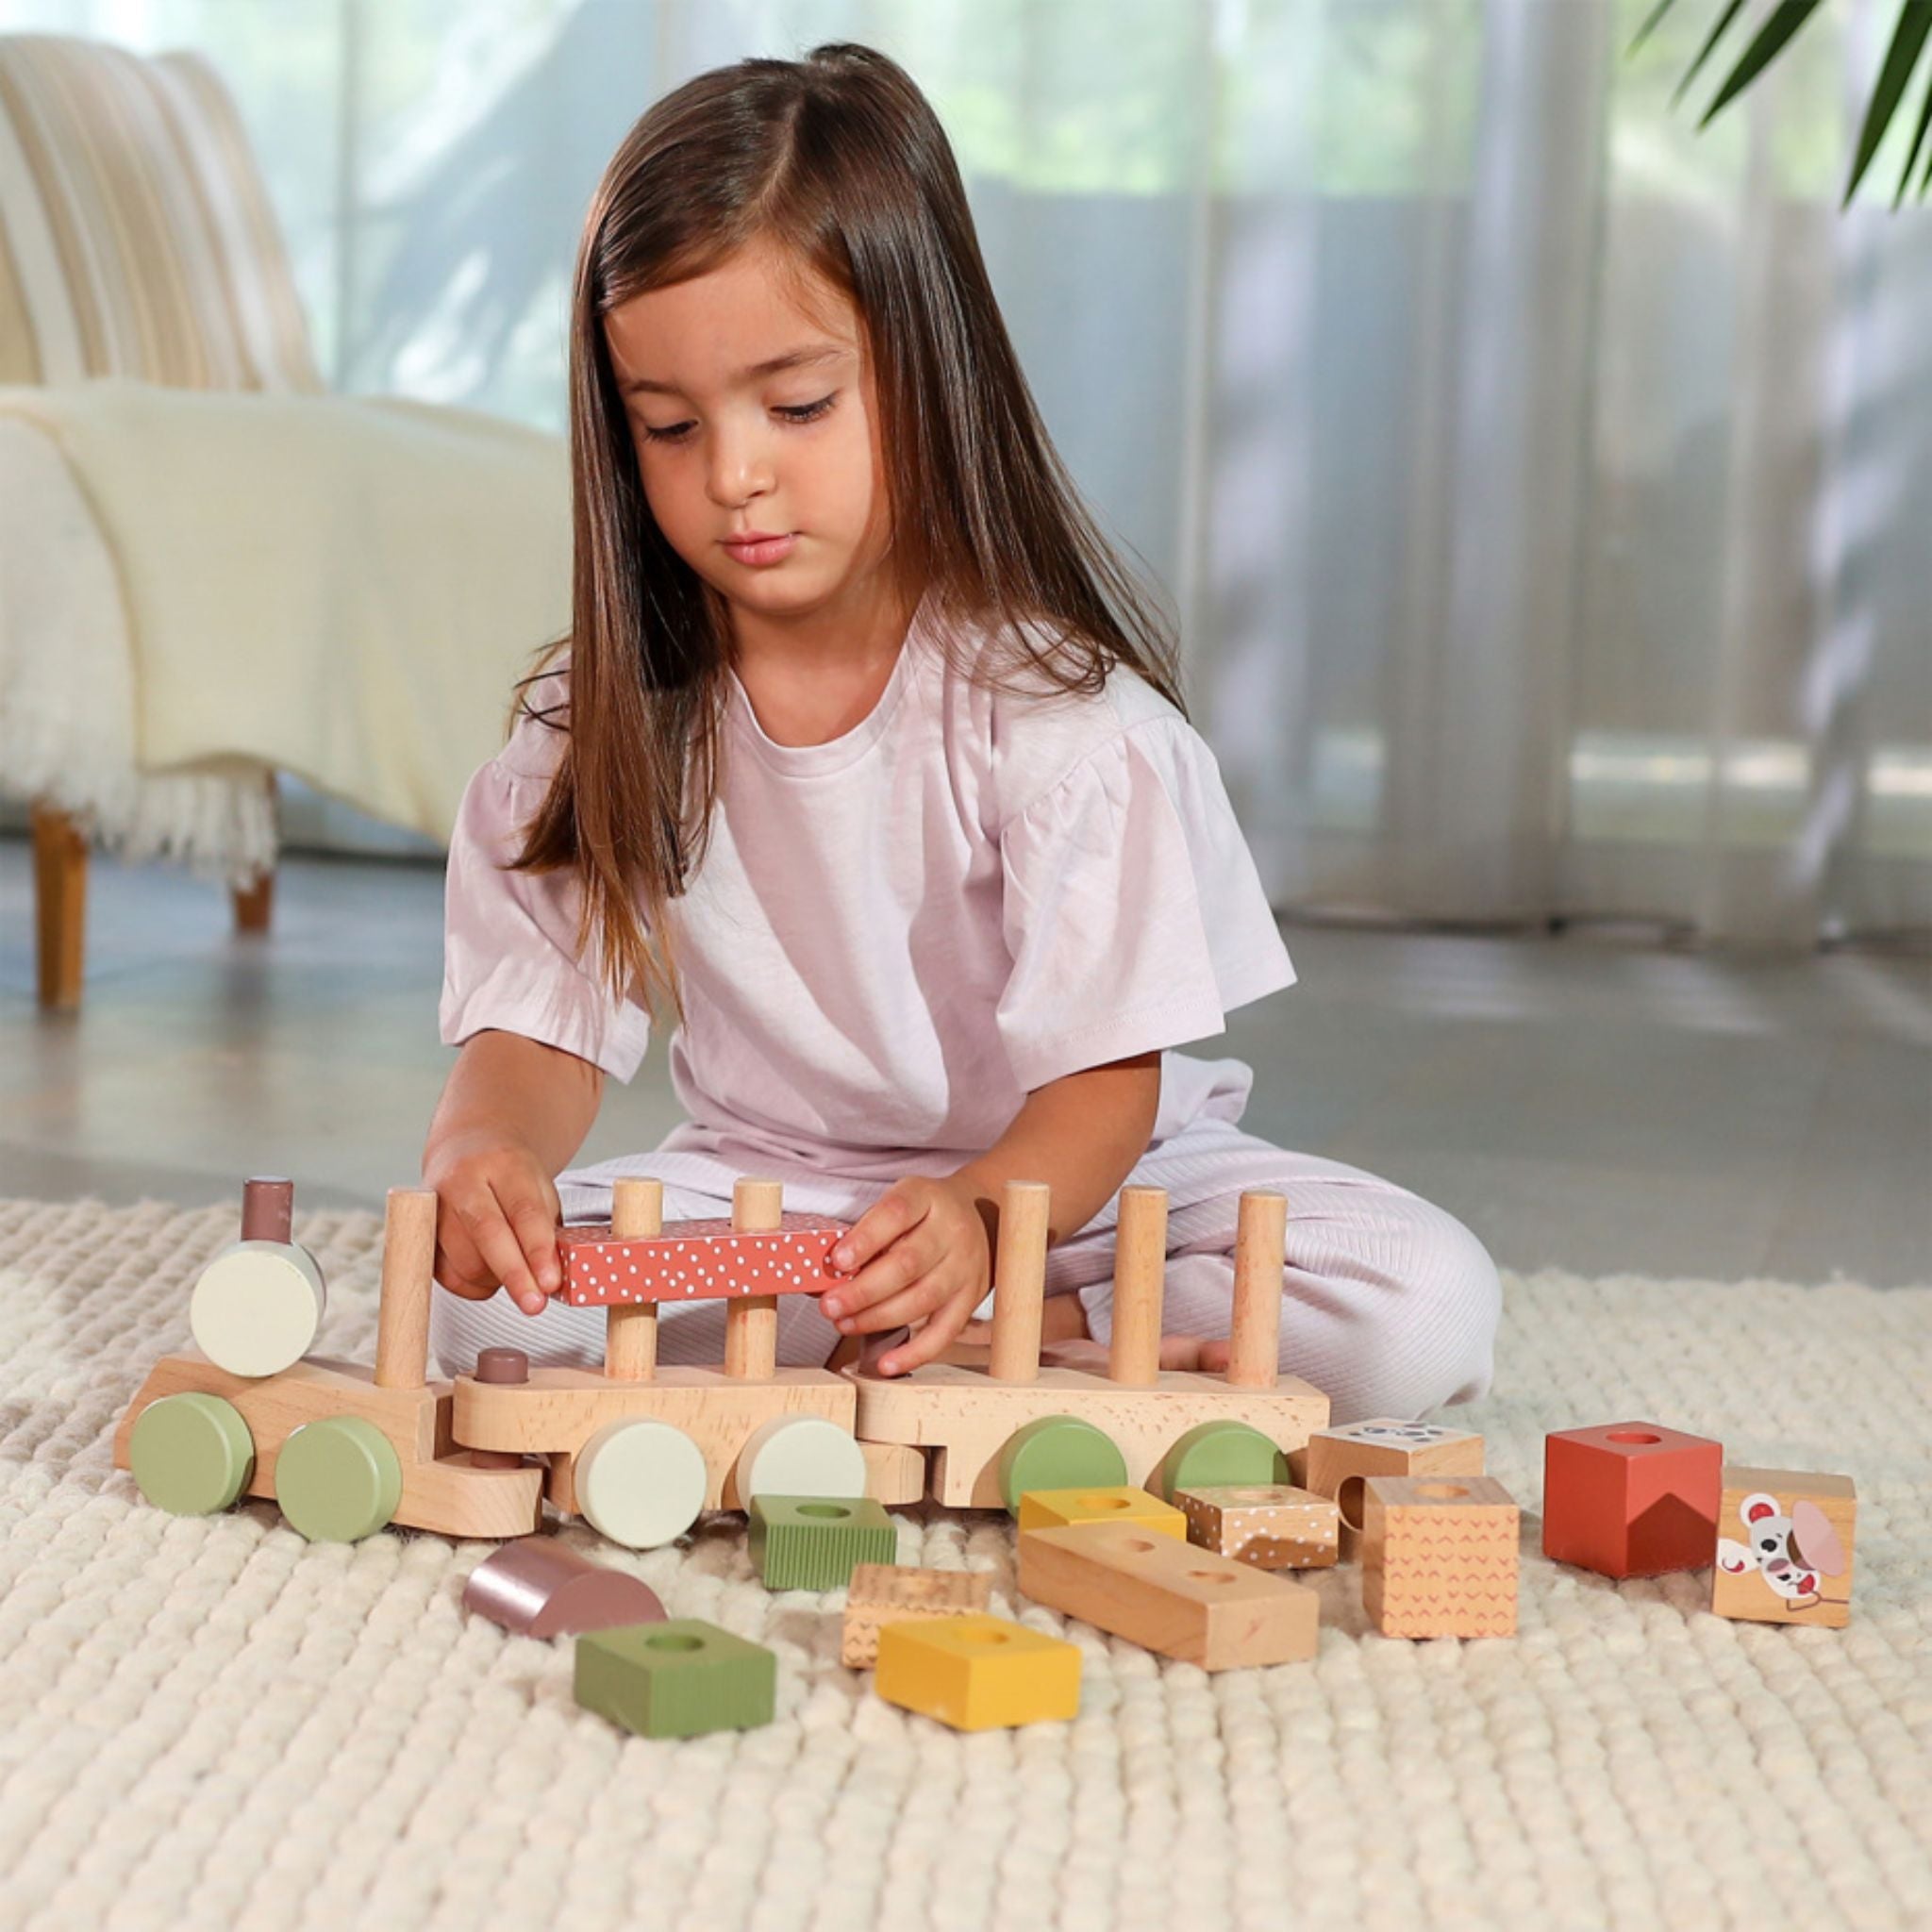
(773, 550)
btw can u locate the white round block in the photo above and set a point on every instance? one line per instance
(641, 1483)
(257, 1306)
(800, 1456)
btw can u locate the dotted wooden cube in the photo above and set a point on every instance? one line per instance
(813, 1543)
(979, 1673)
(1271, 1525)
(884, 1593)
(675, 1679)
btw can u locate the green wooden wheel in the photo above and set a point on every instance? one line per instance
(338, 1479)
(1210, 1452)
(190, 1453)
(1058, 1452)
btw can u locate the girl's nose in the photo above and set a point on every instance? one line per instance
(740, 469)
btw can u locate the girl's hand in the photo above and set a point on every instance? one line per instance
(919, 1253)
(496, 1218)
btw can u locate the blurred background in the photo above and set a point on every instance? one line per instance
(1540, 482)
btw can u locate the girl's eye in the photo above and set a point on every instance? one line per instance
(792, 413)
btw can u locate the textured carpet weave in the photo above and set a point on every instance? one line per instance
(211, 1723)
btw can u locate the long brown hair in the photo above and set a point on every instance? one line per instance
(840, 160)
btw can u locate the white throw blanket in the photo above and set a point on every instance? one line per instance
(196, 587)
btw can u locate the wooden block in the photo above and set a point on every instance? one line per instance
(540, 1587)
(1169, 1596)
(1440, 1556)
(1631, 1499)
(675, 1679)
(1340, 1461)
(813, 1543)
(1121, 1503)
(699, 1260)
(956, 1409)
(1271, 1525)
(979, 1673)
(1791, 1558)
(883, 1593)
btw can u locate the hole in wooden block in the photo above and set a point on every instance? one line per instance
(987, 1637)
(1139, 1545)
(1440, 1493)
(1210, 1576)
(823, 1509)
(676, 1639)
(1348, 1499)
(1633, 1436)
(1106, 1501)
(1251, 1495)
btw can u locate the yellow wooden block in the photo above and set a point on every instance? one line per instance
(977, 1673)
(1121, 1503)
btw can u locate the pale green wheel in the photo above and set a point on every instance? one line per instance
(1058, 1452)
(641, 1483)
(338, 1479)
(190, 1453)
(800, 1456)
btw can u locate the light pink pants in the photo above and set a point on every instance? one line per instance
(1389, 1305)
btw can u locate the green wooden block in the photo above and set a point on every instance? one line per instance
(1217, 1452)
(675, 1679)
(1058, 1452)
(338, 1479)
(190, 1453)
(811, 1543)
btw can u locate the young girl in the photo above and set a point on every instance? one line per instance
(867, 756)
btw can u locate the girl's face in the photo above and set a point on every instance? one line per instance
(729, 444)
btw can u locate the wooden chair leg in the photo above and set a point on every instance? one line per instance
(59, 907)
(255, 905)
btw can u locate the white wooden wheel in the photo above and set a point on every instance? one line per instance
(640, 1482)
(257, 1306)
(800, 1456)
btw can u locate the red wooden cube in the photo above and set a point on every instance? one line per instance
(1631, 1499)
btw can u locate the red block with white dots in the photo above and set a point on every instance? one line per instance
(1631, 1499)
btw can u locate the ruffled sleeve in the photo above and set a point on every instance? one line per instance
(1132, 911)
(510, 936)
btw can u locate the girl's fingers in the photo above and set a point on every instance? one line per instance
(928, 1293)
(503, 1253)
(536, 1231)
(902, 1266)
(457, 1265)
(927, 1342)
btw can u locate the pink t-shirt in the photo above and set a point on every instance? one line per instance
(894, 937)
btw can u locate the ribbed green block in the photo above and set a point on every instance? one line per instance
(1217, 1452)
(1058, 1452)
(675, 1679)
(811, 1543)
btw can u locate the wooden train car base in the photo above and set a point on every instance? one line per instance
(640, 1451)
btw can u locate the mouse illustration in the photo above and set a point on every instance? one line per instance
(1790, 1551)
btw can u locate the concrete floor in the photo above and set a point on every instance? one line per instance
(1579, 1103)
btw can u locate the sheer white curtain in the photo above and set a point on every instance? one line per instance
(1541, 486)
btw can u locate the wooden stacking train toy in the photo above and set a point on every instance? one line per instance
(639, 1450)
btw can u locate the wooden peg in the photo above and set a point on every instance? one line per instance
(268, 1209)
(1140, 1279)
(1261, 1245)
(402, 1318)
(630, 1329)
(751, 1321)
(1019, 1281)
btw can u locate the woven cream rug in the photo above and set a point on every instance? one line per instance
(210, 1722)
